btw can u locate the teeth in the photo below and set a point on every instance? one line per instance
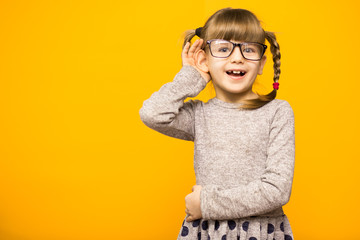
(236, 72)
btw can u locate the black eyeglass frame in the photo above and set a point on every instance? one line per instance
(234, 46)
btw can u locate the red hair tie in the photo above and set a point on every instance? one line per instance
(276, 85)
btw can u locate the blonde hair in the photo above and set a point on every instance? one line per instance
(240, 25)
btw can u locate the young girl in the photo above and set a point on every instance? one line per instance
(244, 143)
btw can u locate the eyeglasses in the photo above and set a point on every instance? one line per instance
(220, 48)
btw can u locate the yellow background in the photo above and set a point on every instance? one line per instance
(76, 162)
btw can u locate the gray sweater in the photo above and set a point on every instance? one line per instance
(243, 159)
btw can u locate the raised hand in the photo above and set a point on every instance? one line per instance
(189, 55)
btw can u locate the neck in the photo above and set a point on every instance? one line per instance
(236, 98)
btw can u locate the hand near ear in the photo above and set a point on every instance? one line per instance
(190, 56)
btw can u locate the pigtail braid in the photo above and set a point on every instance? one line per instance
(275, 51)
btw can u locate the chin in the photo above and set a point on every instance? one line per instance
(239, 90)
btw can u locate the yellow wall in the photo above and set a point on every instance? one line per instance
(76, 162)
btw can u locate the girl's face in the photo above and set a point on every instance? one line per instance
(230, 86)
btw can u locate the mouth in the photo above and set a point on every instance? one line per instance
(236, 73)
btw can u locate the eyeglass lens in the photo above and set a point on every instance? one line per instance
(251, 51)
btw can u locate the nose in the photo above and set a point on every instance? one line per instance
(236, 55)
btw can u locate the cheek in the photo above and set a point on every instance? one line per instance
(215, 67)
(256, 68)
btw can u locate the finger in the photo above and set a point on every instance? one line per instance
(186, 49)
(189, 219)
(195, 187)
(193, 48)
(199, 44)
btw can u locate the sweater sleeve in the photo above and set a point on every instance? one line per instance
(166, 112)
(273, 188)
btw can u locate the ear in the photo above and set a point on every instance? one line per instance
(201, 61)
(262, 64)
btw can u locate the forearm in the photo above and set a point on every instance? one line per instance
(256, 198)
(165, 112)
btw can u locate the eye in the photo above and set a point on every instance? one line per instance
(248, 50)
(224, 49)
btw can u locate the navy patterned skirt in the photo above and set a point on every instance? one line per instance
(250, 228)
